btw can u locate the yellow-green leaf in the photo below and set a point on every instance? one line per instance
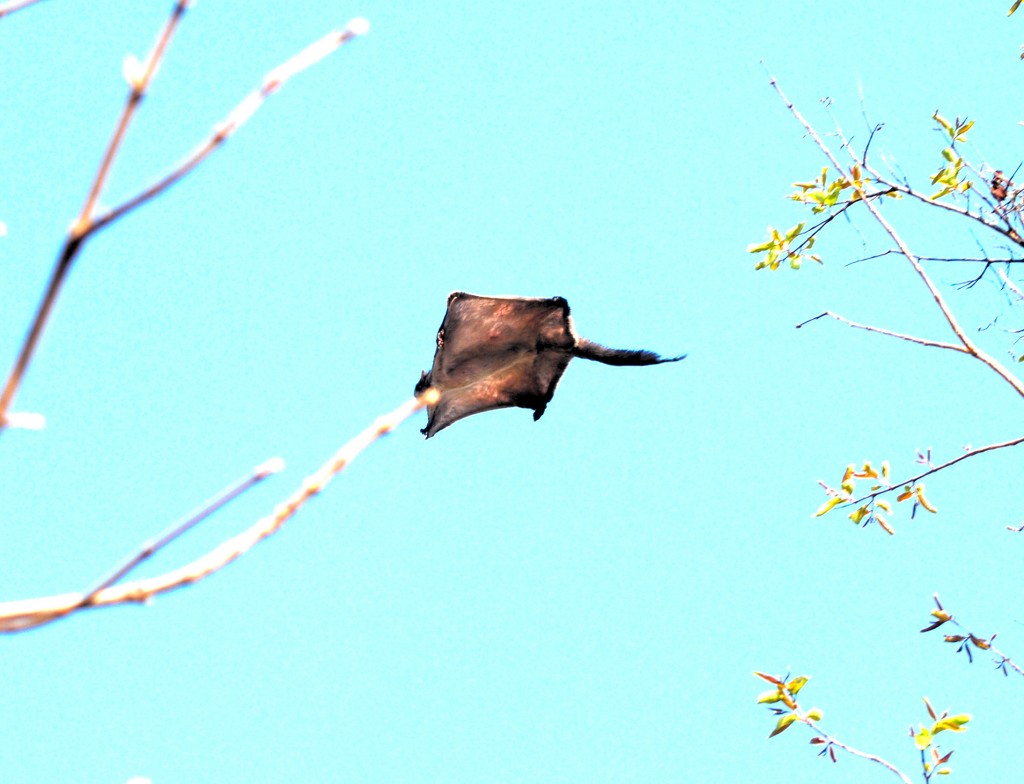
(952, 723)
(919, 492)
(791, 234)
(923, 739)
(768, 697)
(828, 506)
(942, 121)
(797, 683)
(815, 714)
(783, 724)
(859, 515)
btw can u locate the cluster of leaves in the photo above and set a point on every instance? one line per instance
(785, 692)
(782, 702)
(933, 762)
(871, 510)
(823, 195)
(967, 640)
(948, 178)
(857, 184)
(779, 247)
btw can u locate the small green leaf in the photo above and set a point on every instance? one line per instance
(948, 154)
(828, 506)
(797, 683)
(961, 132)
(815, 714)
(923, 739)
(1014, 7)
(783, 724)
(952, 723)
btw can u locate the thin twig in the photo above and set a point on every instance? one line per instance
(889, 333)
(1010, 284)
(81, 227)
(833, 741)
(952, 259)
(29, 613)
(935, 469)
(15, 5)
(87, 224)
(970, 638)
(186, 524)
(139, 83)
(1002, 661)
(237, 117)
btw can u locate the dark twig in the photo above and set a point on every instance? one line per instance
(935, 469)
(954, 259)
(889, 333)
(968, 638)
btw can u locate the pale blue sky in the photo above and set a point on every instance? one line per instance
(581, 599)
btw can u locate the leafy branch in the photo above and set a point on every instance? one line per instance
(969, 639)
(910, 489)
(782, 703)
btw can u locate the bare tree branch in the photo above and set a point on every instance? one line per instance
(87, 224)
(950, 259)
(238, 116)
(18, 616)
(880, 331)
(190, 521)
(80, 228)
(831, 740)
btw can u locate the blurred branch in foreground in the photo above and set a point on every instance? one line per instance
(15, 5)
(139, 76)
(29, 613)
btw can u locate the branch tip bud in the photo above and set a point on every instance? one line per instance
(358, 26)
(274, 465)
